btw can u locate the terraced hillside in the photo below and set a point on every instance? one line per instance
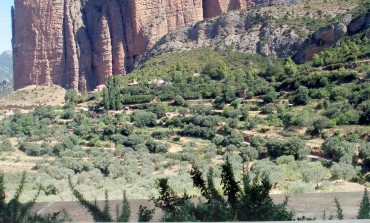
(300, 128)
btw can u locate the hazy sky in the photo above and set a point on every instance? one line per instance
(5, 25)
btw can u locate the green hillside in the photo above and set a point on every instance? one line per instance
(284, 128)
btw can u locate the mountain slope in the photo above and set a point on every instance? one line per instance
(280, 31)
(6, 73)
(6, 66)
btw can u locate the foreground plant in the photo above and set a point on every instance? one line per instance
(122, 215)
(16, 212)
(248, 202)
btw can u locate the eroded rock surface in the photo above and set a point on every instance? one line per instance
(243, 31)
(79, 44)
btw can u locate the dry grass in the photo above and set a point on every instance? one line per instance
(33, 96)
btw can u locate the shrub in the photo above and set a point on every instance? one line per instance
(270, 96)
(6, 146)
(294, 146)
(318, 124)
(32, 149)
(248, 153)
(364, 211)
(299, 187)
(343, 171)
(143, 118)
(179, 101)
(352, 137)
(339, 93)
(268, 109)
(258, 142)
(301, 96)
(364, 153)
(70, 95)
(230, 112)
(157, 109)
(364, 110)
(339, 150)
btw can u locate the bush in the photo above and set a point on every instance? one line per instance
(299, 187)
(352, 137)
(6, 146)
(318, 124)
(216, 71)
(343, 171)
(364, 153)
(301, 96)
(270, 96)
(230, 112)
(248, 153)
(70, 95)
(33, 149)
(258, 142)
(143, 118)
(157, 109)
(339, 150)
(343, 113)
(294, 146)
(179, 101)
(364, 110)
(339, 93)
(68, 114)
(268, 109)
(230, 207)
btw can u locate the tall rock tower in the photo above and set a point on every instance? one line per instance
(79, 44)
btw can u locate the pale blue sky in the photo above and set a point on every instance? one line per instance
(5, 25)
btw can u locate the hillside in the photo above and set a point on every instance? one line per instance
(32, 96)
(207, 121)
(6, 73)
(6, 65)
(269, 31)
(199, 107)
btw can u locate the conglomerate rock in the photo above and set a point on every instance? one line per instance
(79, 44)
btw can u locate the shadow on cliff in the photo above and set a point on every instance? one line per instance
(234, 5)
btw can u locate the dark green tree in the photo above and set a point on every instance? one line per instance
(364, 212)
(301, 96)
(145, 214)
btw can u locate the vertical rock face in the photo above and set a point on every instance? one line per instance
(79, 44)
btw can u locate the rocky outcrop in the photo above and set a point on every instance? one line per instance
(322, 39)
(244, 31)
(79, 44)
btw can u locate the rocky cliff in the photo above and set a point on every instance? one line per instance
(243, 31)
(79, 44)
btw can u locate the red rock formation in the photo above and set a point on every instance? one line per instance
(79, 44)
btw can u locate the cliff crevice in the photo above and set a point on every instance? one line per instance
(79, 44)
